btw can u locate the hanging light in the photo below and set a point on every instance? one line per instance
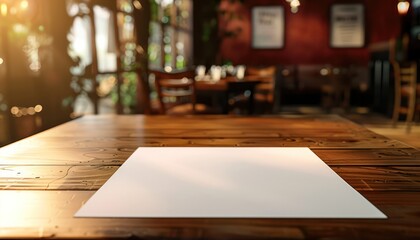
(294, 5)
(403, 7)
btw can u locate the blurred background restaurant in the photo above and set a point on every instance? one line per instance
(61, 59)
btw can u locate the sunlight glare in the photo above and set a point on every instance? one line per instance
(24, 4)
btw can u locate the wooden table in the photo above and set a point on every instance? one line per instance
(47, 177)
(224, 88)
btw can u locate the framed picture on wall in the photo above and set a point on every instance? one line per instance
(347, 26)
(268, 27)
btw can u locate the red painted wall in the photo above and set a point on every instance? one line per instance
(307, 34)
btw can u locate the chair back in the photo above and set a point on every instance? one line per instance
(174, 89)
(405, 76)
(267, 75)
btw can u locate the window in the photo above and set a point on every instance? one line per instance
(170, 41)
(105, 74)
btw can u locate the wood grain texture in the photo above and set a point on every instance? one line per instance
(46, 178)
(49, 177)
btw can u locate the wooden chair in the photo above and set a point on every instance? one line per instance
(407, 92)
(176, 93)
(264, 95)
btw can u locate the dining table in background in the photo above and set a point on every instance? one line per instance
(46, 178)
(222, 90)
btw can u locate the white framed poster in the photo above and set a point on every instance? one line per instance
(268, 27)
(347, 26)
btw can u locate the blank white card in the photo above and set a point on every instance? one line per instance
(223, 182)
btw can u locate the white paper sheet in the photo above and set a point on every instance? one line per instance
(214, 182)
